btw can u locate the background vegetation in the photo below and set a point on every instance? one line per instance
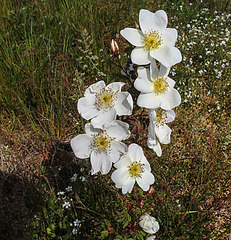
(51, 51)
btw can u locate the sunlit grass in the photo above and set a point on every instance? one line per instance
(51, 51)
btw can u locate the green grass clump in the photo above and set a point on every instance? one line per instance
(50, 52)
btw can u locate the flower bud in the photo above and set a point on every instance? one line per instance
(141, 202)
(114, 46)
(137, 25)
(150, 191)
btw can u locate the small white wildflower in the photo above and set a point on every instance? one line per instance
(77, 223)
(74, 178)
(61, 193)
(66, 205)
(82, 178)
(74, 231)
(69, 189)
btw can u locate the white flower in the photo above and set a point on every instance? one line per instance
(82, 178)
(102, 103)
(159, 118)
(74, 231)
(103, 146)
(157, 89)
(151, 237)
(133, 167)
(61, 193)
(149, 224)
(68, 189)
(154, 40)
(66, 205)
(158, 131)
(77, 223)
(153, 142)
(74, 178)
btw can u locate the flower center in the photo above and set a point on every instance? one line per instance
(105, 99)
(101, 142)
(135, 169)
(160, 85)
(161, 117)
(152, 40)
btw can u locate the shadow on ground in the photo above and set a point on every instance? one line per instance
(21, 198)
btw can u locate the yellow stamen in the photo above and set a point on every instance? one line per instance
(105, 99)
(152, 40)
(160, 85)
(161, 116)
(101, 142)
(135, 169)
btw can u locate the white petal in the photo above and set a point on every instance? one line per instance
(81, 146)
(151, 133)
(104, 118)
(169, 36)
(143, 73)
(90, 130)
(170, 115)
(153, 21)
(116, 86)
(148, 100)
(86, 107)
(152, 114)
(140, 56)
(170, 82)
(119, 176)
(163, 133)
(124, 103)
(118, 130)
(106, 165)
(156, 147)
(95, 162)
(146, 165)
(153, 69)
(100, 162)
(143, 85)
(117, 150)
(135, 152)
(163, 71)
(128, 185)
(167, 55)
(134, 36)
(124, 161)
(171, 99)
(94, 88)
(145, 180)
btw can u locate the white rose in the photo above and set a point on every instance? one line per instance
(149, 224)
